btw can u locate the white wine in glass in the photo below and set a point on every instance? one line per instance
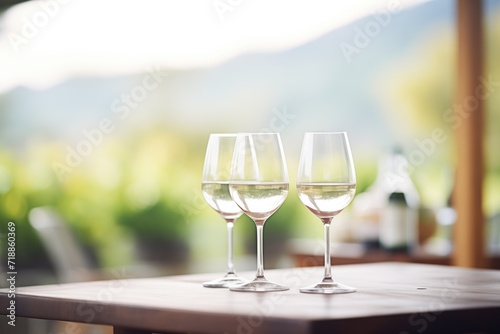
(215, 188)
(259, 185)
(326, 184)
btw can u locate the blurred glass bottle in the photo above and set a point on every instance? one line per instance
(398, 230)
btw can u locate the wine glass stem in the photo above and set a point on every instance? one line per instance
(260, 253)
(230, 264)
(328, 264)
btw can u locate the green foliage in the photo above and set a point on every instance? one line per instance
(158, 221)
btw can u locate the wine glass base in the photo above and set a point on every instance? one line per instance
(328, 288)
(259, 285)
(226, 281)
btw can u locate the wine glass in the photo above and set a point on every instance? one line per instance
(215, 188)
(259, 185)
(326, 183)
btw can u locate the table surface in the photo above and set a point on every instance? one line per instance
(390, 297)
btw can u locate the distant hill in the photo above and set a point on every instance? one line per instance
(314, 82)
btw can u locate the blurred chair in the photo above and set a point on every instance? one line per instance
(71, 262)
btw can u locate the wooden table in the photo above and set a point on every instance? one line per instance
(371, 256)
(305, 254)
(391, 298)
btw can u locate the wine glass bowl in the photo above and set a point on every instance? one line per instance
(259, 201)
(326, 184)
(259, 185)
(326, 200)
(215, 189)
